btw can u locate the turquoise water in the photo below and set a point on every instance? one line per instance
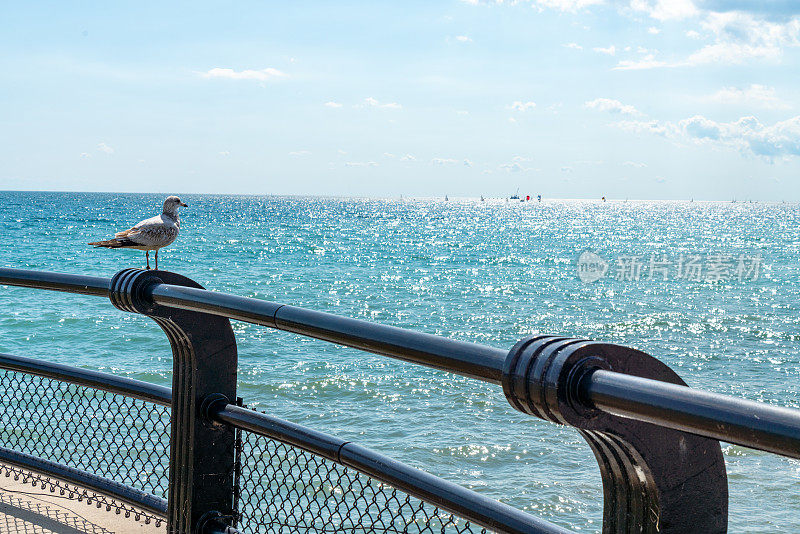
(488, 272)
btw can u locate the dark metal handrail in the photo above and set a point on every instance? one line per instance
(92, 482)
(470, 359)
(70, 283)
(740, 421)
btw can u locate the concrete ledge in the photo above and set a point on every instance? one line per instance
(29, 509)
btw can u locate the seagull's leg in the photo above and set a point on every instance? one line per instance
(156, 259)
(147, 255)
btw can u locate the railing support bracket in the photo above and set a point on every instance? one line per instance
(655, 479)
(204, 372)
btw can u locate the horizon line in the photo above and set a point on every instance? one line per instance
(403, 197)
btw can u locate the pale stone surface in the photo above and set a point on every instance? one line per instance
(33, 510)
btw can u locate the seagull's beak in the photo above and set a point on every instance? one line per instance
(184, 205)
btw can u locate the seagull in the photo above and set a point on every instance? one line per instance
(150, 234)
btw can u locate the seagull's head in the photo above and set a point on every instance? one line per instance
(172, 203)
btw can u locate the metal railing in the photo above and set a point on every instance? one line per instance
(655, 439)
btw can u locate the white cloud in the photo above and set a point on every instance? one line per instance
(225, 153)
(513, 167)
(571, 6)
(85, 155)
(756, 95)
(249, 74)
(634, 164)
(700, 127)
(102, 147)
(652, 127)
(746, 28)
(332, 104)
(462, 112)
(611, 106)
(522, 106)
(665, 9)
(740, 30)
(467, 163)
(463, 39)
(729, 53)
(443, 161)
(574, 46)
(781, 140)
(647, 62)
(748, 134)
(739, 36)
(516, 164)
(374, 103)
(611, 50)
(389, 155)
(566, 169)
(341, 152)
(361, 164)
(512, 119)
(300, 153)
(408, 157)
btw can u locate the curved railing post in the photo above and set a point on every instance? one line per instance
(204, 372)
(655, 479)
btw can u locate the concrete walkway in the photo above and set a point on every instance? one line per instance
(33, 510)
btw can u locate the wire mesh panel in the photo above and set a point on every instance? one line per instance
(284, 489)
(113, 436)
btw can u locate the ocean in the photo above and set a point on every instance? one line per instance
(710, 288)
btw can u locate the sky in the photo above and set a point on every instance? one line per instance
(650, 99)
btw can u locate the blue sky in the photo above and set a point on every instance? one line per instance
(564, 98)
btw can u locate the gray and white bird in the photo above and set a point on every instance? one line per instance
(150, 234)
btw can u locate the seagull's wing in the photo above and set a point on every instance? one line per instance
(125, 233)
(151, 232)
(146, 226)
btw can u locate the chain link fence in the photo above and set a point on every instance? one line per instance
(280, 488)
(284, 489)
(117, 437)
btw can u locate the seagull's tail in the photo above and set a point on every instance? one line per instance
(113, 243)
